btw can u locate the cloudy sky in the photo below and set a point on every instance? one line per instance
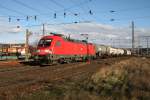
(105, 21)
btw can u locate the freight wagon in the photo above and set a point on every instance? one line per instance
(127, 52)
(103, 51)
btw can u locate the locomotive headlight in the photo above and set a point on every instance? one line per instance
(48, 51)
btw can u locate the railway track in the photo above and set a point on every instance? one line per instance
(22, 75)
(30, 75)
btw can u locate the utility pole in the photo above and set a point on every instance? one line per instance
(69, 36)
(27, 45)
(43, 29)
(147, 46)
(133, 41)
(138, 45)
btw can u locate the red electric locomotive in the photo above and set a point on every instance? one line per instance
(57, 48)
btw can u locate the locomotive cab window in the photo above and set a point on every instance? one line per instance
(45, 42)
(58, 43)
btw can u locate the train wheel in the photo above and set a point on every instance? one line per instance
(61, 61)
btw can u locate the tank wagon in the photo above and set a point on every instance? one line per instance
(103, 51)
(120, 52)
(127, 52)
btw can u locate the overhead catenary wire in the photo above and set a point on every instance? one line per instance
(78, 5)
(91, 11)
(50, 24)
(12, 10)
(62, 6)
(65, 9)
(36, 10)
(133, 18)
(46, 5)
(18, 18)
(27, 6)
(73, 2)
(26, 17)
(84, 3)
(132, 9)
(57, 3)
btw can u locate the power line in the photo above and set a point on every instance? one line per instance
(43, 4)
(134, 18)
(68, 8)
(123, 10)
(12, 10)
(50, 24)
(36, 10)
(62, 6)
(132, 9)
(91, 11)
(27, 6)
(81, 8)
(78, 5)
(58, 4)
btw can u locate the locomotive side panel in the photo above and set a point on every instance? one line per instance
(63, 47)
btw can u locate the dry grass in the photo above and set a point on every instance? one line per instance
(127, 79)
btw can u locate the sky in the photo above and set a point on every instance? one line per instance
(105, 21)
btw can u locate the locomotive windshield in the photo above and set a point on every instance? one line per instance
(45, 42)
